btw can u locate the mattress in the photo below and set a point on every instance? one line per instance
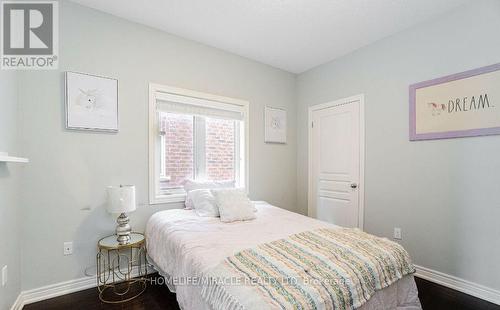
(183, 246)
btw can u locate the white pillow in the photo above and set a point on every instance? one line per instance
(204, 202)
(190, 185)
(233, 205)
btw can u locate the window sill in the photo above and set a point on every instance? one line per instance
(167, 199)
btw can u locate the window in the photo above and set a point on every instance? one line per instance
(194, 136)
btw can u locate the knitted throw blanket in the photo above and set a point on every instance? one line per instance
(321, 269)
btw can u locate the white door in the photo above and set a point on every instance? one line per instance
(335, 162)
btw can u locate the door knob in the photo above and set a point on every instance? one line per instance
(354, 185)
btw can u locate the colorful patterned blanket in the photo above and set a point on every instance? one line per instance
(321, 269)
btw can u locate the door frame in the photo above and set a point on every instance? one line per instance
(361, 185)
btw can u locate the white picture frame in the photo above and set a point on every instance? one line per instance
(91, 102)
(275, 125)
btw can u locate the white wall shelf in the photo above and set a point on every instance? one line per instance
(5, 158)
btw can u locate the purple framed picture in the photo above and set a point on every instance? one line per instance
(460, 105)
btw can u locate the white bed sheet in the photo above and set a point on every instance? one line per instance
(183, 245)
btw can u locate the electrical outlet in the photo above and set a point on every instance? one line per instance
(4, 275)
(68, 248)
(397, 233)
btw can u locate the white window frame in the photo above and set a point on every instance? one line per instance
(163, 173)
(195, 96)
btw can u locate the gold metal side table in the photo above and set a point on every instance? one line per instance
(116, 266)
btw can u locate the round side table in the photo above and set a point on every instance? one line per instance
(116, 265)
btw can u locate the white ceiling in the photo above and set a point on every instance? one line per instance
(293, 35)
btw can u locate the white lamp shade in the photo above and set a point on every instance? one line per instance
(121, 199)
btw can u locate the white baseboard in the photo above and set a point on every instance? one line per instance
(58, 289)
(53, 290)
(17, 304)
(458, 284)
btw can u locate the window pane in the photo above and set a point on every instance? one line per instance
(220, 149)
(178, 150)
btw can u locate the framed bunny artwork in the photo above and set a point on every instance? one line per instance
(275, 125)
(91, 102)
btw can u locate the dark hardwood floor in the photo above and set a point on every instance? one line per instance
(155, 297)
(432, 297)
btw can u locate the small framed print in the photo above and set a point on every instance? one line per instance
(91, 102)
(275, 125)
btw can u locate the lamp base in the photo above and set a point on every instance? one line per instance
(123, 229)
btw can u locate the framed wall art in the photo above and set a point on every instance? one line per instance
(91, 102)
(275, 125)
(459, 105)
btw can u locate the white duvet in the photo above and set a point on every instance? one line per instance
(183, 245)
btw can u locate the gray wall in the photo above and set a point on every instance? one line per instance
(443, 193)
(64, 185)
(9, 189)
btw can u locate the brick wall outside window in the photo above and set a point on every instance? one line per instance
(220, 150)
(178, 159)
(179, 149)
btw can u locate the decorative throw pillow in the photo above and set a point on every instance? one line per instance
(233, 205)
(204, 202)
(190, 185)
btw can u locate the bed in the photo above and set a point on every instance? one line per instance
(184, 247)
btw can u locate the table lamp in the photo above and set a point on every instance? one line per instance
(121, 199)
